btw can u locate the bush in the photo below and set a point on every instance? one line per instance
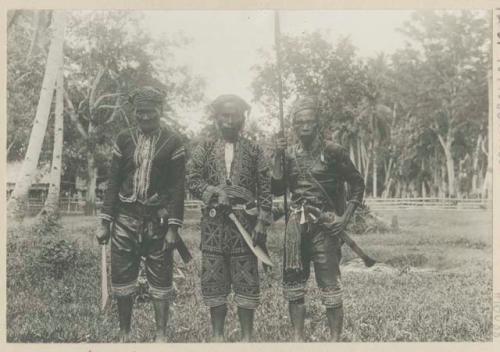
(364, 221)
(58, 255)
(39, 250)
(55, 255)
(47, 225)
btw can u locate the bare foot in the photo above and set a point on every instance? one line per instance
(217, 338)
(125, 337)
(246, 339)
(161, 338)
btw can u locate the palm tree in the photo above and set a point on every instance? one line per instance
(378, 117)
(51, 205)
(17, 201)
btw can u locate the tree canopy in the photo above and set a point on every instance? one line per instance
(415, 122)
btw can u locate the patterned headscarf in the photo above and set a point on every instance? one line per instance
(147, 97)
(219, 102)
(304, 103)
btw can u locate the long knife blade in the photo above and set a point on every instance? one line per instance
(369, 261)
(258, 251)
(104, 278)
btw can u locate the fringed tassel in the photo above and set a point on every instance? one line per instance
(293, 258)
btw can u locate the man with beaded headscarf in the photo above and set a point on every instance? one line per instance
(317, 171)
(145, 194)
(227, 172)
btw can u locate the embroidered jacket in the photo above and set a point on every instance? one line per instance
(331, 167)
(144, 166)
(249, 177)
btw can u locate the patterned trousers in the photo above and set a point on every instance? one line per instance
(324, 250)
(227, 262)
(136, 234)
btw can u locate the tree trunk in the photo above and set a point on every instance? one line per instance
(365, 160)
(437, 176)
(351, 154)
(51, 206)
(476, 171)
(450, 169)
(34, 38)
(387, 178)
(17, 201)
(488, 181)
(387, 188)
(90, 199)
(450, 164)
(360, 164)
(443, 185)
(399, 190)
(374, 173)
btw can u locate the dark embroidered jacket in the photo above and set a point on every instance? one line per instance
(250, 177)
(331, 167)
(143, 166)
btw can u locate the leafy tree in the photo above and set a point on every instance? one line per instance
(313, 66)
(107, 55)
(110, 55)
(415, 118)
(24, 82)
(446, 58)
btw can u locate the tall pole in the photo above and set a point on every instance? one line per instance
(277, 44)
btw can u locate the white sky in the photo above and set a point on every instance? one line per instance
(225, 44)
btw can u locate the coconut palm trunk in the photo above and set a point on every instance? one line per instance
(17, 203)
(51, 206)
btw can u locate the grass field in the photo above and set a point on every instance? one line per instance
(434, 283)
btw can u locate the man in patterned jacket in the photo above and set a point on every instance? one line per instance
(227, 172)
(317, 172)
(145, 194)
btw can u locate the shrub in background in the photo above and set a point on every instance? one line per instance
(365, 221)
(58, 256)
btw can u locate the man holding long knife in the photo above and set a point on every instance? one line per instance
(317, 172)
(145, 195)
(228, 172)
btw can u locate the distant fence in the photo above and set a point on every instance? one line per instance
(66, 205)
(427, 203)
(402, 203)
(72, 206)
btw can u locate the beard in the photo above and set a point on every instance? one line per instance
(229, 132)
(307, 137)
(149, 126)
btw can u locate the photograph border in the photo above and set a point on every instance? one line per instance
(261, 5)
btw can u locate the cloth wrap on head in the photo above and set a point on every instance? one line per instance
(221, 100)
(147, 97)
(303, 103)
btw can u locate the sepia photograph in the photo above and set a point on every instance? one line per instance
(249, 176)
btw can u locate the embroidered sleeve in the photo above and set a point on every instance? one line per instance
(174, 183)
(348, 173)
(115, 178)
(264, 195)
(196, 175)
